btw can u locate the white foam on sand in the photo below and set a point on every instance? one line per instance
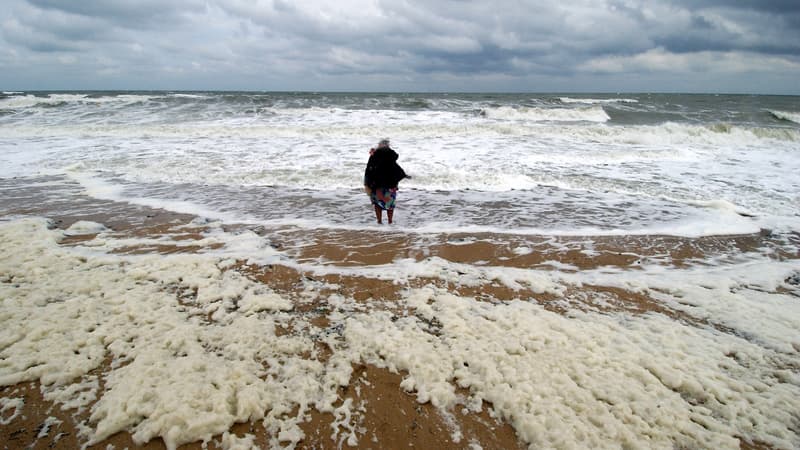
(10, 409)
(232, 442)
(740, 297)
(49, 422)
(83, 227)
(191, 348)
(587, 380)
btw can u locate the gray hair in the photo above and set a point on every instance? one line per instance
(383, 143)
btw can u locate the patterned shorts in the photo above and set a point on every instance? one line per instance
(384, 197)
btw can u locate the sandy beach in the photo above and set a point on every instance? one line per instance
(390, 417)
(381, 398)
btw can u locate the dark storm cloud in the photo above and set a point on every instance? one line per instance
(735, 29)
(413, 44)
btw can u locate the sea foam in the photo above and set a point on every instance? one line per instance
(194, 350)
(538, 114)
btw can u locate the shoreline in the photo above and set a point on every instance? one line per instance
(336, 266)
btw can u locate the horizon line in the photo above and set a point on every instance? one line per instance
(315, 91)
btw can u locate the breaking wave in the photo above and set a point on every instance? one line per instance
(536, 114)
(786, 115)
(21, 102)
(594, 101)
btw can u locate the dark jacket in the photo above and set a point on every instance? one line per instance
(382, 169)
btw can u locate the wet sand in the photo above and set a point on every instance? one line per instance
(389, 417)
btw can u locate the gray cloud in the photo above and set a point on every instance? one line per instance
(388, 45)
(778, 7)
(127, 13)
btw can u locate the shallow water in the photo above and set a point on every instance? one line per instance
(555, 164)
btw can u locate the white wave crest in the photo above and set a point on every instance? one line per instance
(590, 114)
(671, 134)
(21, 102)
(31, 101)
(437, 127)
(594, 101)
(194, 96)
(787, 115)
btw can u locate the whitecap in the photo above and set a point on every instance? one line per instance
(592, 101)
(786, 115)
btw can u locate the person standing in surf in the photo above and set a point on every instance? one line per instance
(381, 178)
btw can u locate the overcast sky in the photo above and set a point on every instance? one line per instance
(747, 46)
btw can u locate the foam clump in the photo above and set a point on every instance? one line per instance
(10, 409)
(83, 227)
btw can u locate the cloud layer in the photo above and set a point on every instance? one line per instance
(506, 45)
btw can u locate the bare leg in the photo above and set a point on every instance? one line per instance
(390, 214)
(379, 214)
